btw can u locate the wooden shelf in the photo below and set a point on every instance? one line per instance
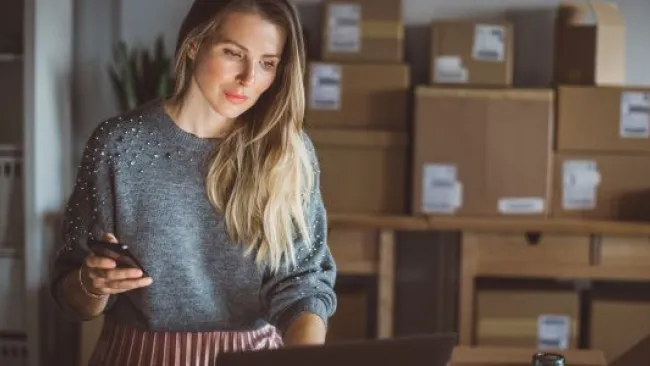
(512, 356)
(9, 252)
(10, 57)
(352, 221)
(515, 225)
(562, 271)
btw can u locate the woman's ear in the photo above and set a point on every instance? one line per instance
(193, 50)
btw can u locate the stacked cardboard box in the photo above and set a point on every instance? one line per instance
(357, 97)
(601, 164)
(481, 148)
(484, 148)
(603, 125)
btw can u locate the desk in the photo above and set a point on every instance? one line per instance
(599, 262)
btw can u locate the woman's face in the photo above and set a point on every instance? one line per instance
(241, 64)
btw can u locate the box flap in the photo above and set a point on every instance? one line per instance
(507, 356)
(590, 13)
(607, 13)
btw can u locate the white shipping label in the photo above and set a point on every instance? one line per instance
(489, 43)
(441, 191)
(344, 27)
(635, 114)
(325, 87)
(521, 205)
(581, 179)
(449, 69)
(553, 331)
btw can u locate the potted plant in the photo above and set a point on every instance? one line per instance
(139, 76)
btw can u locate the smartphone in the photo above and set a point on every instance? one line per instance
(120, 253)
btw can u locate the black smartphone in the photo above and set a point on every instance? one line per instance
(120, 253)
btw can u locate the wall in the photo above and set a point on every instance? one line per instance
(48, 61)
(97, 29)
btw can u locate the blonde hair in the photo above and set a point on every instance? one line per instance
(262, 173)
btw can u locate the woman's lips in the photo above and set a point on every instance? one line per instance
(236, 98)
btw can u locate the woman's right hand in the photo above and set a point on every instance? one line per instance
(100, 275)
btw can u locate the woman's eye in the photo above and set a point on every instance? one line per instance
(269, 64)
(232, 53)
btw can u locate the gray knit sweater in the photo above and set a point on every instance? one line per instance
(142, 178)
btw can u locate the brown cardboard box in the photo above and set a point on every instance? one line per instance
(527, 318)
(590, 44)
(639, 354)
(606, 187)
(516, 356)
(350, 322)
(619, 321)
(369, 96)
(472, 52)
(362, 171)
(363, 30)
(482, 152)
(603, 119)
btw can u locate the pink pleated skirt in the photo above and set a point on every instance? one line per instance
(119, 345)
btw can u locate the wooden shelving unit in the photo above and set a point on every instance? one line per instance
(10, 57)
(596, 260)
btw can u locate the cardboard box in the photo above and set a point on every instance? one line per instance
(637, 355)
(603, 119)
(605, 187)
(482, 152)
(620, 319)
(362, 171)
(472, 52)
(368, 96)
(350, 322)
(363, 30)
(516, 356)
(527, 318)
(589, 44)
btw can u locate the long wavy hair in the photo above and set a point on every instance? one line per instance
(262, 172)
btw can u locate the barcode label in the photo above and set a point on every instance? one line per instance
(441, 191)
(581, 179)
(489, 43)
(449, 69)
(344, 27)
(523, 205)
(325, 87)
(550, 343)
(635, 115)
(553, 331)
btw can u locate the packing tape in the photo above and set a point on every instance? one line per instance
(382, 29)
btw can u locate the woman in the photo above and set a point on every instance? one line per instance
(215, 191)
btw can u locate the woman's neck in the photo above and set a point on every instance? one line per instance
(196, 116)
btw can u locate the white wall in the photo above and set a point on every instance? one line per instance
(48, 61)
(96, 29)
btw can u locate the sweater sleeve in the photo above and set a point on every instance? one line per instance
(88, 213)
(308, 286)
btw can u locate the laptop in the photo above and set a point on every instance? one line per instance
(429, 350)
